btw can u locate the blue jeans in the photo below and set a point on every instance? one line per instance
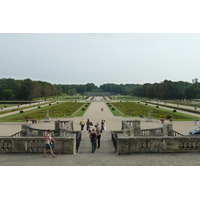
(94, 145)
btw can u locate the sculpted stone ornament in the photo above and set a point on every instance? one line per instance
(149, 118)
(47, 118)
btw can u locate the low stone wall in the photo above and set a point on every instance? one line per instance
(132, 139)
(125, 144)
(31, 140)
(66, 145)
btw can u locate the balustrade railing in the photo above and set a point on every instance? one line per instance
(31, 139)
(152, 132)
(37, 145)
(132, 144)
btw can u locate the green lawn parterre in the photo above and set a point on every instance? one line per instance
(137, 109)
(57, 110)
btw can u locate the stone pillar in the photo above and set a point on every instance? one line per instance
(57, 126)
(136, 129)
(24, 130)
(122, 144)
(165, 131)
(170, 129)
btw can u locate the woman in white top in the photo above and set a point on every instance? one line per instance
(90, 127)
(104, 125)
(48, 140)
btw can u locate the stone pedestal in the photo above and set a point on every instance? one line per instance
(47, 119)
(149, 118)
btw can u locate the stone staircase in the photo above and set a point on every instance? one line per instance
(105, 148)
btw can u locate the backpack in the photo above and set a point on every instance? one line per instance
(93, 136)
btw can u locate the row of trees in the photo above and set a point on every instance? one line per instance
(73, 89)
(118, 89)
(27, 89)
(169, 90)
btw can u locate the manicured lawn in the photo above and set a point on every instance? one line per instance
(81, 111)
(114, 111)
(137, 109)
(57, 110)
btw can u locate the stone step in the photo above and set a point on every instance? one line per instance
(106, 145)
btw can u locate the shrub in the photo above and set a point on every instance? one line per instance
(21, 111)
(83, 108)
(113, 108)
(174, 110)
(168, 117)
(109, 105)
(50, 104)
(157, 106)
(39, 107)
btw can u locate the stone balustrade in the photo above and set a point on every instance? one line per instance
(31, 139)
(131, 139)
(125, 144)
(66, 145)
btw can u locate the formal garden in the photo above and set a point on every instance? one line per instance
(137, 109)
(59, 109)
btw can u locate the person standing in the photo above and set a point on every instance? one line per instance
(88, 123)
(82, 123)
(93, 138)
(98, 131)
(102, 125)
(48, 140)
(196, 122)
(90, 127)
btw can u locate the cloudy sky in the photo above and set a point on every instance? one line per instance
(81, 58)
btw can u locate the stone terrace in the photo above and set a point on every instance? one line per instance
(105, 156)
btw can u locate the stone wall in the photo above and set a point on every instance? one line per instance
(65, 145)
(31, 140)
(132, 139)
(168, 144)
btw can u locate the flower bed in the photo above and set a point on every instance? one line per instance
(57, 110)
(137, 109)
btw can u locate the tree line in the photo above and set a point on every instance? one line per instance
(164, 90)
(28, 89)
(11, 89)
(169, 90)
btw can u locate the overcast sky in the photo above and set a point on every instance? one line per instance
(138, 43)
(100, 58)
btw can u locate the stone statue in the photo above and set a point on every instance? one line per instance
(149, 118)
(47, 114)
(47, 118)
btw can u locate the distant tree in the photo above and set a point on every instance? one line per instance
(26, 89)
(8, 94)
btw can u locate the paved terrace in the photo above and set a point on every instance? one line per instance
(105, 156)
